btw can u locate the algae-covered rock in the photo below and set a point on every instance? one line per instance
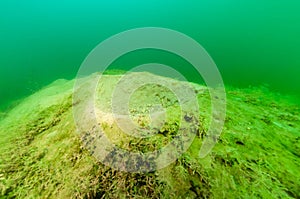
(51, 144)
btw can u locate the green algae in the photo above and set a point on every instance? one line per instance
(257, 155)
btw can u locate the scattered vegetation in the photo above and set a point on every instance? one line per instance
(257, 155)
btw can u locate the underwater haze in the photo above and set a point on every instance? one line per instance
(252, 42)
(69, 129)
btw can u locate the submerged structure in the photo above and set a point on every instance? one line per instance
(51, 143)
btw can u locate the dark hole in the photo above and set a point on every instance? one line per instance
(240, 143)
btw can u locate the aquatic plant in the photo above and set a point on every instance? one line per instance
(257, 155)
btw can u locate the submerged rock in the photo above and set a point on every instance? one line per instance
(51, 144)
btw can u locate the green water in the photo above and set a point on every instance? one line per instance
(252, 42)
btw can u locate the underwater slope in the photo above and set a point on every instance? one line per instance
(43, 155)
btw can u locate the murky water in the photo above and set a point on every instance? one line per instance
(252, 42)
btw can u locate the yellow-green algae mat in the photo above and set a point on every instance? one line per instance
(42, 155)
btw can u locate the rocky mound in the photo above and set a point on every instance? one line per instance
(52, 145)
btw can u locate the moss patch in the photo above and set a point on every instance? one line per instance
(257, 155)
